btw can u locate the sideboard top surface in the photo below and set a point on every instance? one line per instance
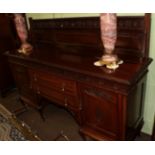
(127, 73)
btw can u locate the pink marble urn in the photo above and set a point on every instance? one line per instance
(19, 20)
(108, 26)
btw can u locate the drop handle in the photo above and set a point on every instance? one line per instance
(63, 87)
(66, 102)
(35, 78)
(38, 91)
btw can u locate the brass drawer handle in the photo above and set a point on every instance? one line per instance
(63, 87)
(66, 103)
(38, 91)
(35, 78)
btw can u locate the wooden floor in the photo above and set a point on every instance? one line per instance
(58, 121)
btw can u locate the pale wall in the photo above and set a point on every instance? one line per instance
(149, 109)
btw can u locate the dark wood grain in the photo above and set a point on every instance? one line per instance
(107, 104)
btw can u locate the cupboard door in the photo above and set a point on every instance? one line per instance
(100, 110)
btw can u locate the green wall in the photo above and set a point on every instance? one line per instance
(149, 108)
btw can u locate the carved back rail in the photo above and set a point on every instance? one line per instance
(82, 35)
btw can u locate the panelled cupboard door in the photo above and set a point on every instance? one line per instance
(100, 110)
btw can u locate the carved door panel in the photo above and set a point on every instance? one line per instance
(100, 110)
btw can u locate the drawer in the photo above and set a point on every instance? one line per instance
(73, 102)
(70, 87)
(55, 82)
(58, 97)
(51, 94)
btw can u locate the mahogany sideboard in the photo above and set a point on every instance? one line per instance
(107, 104)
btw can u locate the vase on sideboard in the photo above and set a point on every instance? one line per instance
(20, 23)
(108, 28)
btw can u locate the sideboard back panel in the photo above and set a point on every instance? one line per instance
(83, 35)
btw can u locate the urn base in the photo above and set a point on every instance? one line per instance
(25, 49)
(110, 61)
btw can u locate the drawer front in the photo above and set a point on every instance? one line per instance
(70, 87)
(55, 88)
(57, 96)
(55, 82)
(72, 102)
(51, 94)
